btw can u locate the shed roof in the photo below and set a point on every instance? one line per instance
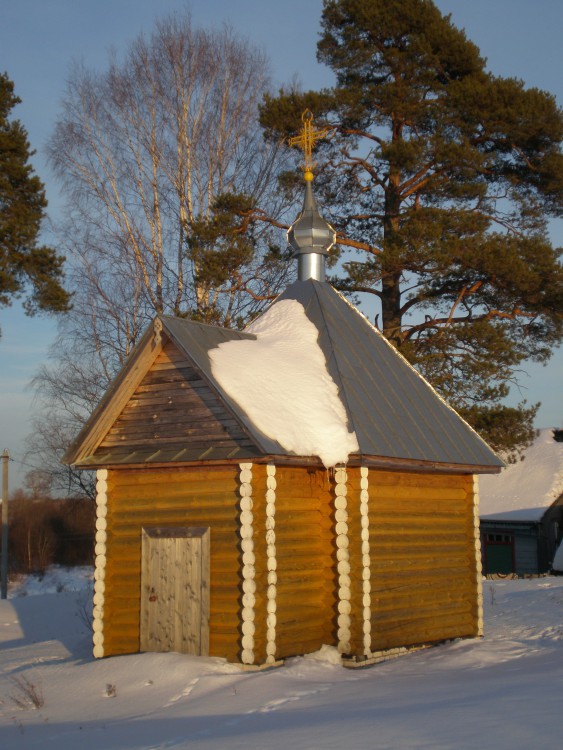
(524, 491)
(397, 416)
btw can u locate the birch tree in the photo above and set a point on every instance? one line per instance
(149, 153)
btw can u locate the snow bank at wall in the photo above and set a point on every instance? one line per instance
(281, 381)
(523, 491)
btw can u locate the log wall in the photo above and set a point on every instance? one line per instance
(306, 607)
(424, 578)
(197, 497)
(410, 573)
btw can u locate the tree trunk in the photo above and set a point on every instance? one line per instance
(391, 277)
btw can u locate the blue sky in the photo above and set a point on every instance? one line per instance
(40, 38)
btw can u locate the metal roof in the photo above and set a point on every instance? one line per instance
(197, 339)
(393, 410)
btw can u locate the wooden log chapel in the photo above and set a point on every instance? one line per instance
(217, 536)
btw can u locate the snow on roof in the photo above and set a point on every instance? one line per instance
(525, 490)
(281, 381)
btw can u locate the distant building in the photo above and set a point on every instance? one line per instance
(522, 510)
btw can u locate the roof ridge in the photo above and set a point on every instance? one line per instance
(341, 391)
(181, 320)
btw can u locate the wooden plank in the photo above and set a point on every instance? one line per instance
(175, 591)
(168, 426)
(191, 441)
(144, 407)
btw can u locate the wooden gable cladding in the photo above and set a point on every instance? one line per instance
(173, 407)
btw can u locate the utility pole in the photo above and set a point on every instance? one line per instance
(4, 560)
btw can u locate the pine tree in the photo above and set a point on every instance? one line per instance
(444, 175)
(26, 268)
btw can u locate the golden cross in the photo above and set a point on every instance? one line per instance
(306, 140)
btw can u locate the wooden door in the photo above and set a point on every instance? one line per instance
(175, 590)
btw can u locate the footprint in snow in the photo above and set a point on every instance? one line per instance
(185, 692)
(279, 702)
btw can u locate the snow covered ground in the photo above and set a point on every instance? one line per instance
(502, 692)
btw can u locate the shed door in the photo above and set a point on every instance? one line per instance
(499, 553)
(175, 590)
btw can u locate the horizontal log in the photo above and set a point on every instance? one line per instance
(212, 498)
(421, 611)
(294, 499)
(124, 623)
(298, 536)
(289, 647)
(135, 477)
(319, 556)
(121, 647)
(440, 523)
(299, 516)
(300, 591)
(445, 535)
(382, 478)
(223, 559)
(415, 495)
(228, 629)
(421, 556)
(421, 632)
(383, 570)
(226, 617)
(454, 511)
(125, 587)
(402, 601)
(116, 632)
(432, 546)
(386, 561)
(224, 540)
(302, 558)
(381, 581)
(300, 617)
(224, 641)
(289, 576)
(220, 529)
